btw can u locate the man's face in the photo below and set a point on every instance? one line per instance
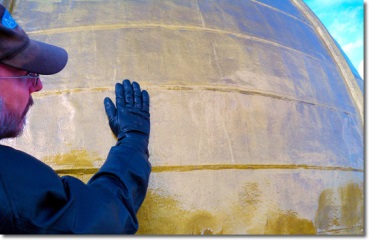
(15, 100)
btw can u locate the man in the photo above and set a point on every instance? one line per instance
(33, 198)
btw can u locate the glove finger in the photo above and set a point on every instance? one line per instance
(145, 101)
(119, 95)
(109, 108)
(128, 93)
(137, 95)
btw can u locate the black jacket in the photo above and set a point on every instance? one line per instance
(34, 199)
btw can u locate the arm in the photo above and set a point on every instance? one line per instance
(126, 170)
(125, 174)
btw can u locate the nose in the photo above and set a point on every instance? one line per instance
(36, 87)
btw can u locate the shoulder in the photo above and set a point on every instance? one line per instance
(10, 153)
(28, 188)
(19, 171)
(10, 157)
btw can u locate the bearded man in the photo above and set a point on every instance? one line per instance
(33, 198)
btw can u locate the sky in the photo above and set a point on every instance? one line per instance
(344, 19)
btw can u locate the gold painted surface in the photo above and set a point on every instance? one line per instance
(254, 129)
(341, 208)
(252, 202)
(287, 223)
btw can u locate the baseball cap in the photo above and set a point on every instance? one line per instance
(19, 51)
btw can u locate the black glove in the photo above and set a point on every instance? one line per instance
(130, 117)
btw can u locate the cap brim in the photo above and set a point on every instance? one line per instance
(39, 57)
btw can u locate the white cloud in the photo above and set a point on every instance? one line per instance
(361, 69)
(346, 22)
(352, 46)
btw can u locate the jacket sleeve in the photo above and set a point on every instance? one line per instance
(39, 201)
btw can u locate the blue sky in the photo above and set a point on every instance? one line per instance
(344, 20)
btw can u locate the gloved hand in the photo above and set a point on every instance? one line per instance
(130, 117)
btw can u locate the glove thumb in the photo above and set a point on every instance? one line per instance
(111, 112)
(110, 109)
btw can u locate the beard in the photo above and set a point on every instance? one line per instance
(11, 122)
